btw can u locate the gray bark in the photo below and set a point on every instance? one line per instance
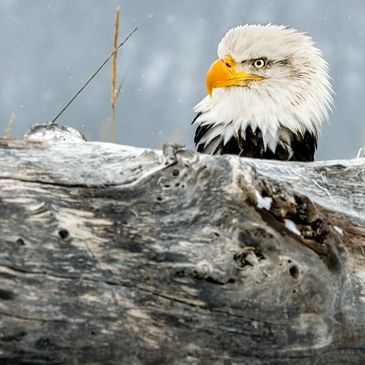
(116, 255)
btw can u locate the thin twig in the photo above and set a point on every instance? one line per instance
(122, 83)
(93, 75)
(114, 71)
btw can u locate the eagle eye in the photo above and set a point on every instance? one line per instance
(259, 63)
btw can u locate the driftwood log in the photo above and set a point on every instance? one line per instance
(117, 255)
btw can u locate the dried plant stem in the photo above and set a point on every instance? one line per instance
(92, 76)
(122, 83)
(114, 72)
(9, 126)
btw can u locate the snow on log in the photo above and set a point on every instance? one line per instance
(117, 255)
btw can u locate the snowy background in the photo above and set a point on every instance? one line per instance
(49, 48)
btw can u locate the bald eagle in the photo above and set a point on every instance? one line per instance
(268, 94)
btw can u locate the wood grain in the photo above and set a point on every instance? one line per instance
(117, 255)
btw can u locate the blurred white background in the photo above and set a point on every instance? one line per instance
(50, 48)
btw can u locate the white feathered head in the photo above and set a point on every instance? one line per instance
(267, 77)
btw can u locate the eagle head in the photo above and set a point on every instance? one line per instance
(268, 94)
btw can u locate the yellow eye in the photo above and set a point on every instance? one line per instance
(260, 63)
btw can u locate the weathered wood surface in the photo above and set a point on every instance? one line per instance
(113, 255)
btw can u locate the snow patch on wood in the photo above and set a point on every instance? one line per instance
(289, 224)
(263, 202)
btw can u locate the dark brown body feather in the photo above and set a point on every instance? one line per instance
(302, 147)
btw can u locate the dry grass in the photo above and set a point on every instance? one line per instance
(115, 90)
(114, 72)
(9, 126)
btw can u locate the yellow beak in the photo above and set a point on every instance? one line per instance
(222, 73)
